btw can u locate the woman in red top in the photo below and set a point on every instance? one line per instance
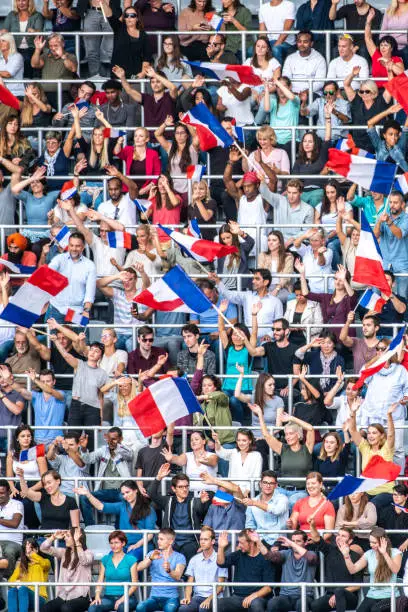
(315, 506)
(385, 61)
(140, 160)
(165, 208)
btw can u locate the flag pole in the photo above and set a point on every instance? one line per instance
(252, 163)
(41, 331)
(358, 303)
(205, 418)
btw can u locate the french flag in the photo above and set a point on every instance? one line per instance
(63, 237)
(368, 267)
(403, 508)
(27, 304)
(398, 88)
(369, 173)
(214, 20)
(376, 473)
(197, 248)
(401, 183)
(76, 317)
(371, 301)
(219, 72)
(195, 173)
(395, 346)
(348, 145)
(32, 453)
(237, 131)
(112, 133)
(193, 228)
(80, 103)
(17, 268)
(143, 205)
(222, 498)
(174, 292)
(209, 130)
(118, 240)
(68, 190)
(163, 403)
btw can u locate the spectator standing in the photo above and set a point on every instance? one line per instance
(12, 518)
(98, 49)
(267, 511)
(383, 54)
(278, 15)
(314, 15)
(237, 17)
(156, 15)
(356, 16)
(11, 403)
(396, 18)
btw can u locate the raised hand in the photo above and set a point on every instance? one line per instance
(119, 72)
(223, 539)
(257, 410)
(40, 42)
(202, 348)
(81, 490)
(163, 471)
(299, 266)
(240, 368)
(256, 307)
(224, 306)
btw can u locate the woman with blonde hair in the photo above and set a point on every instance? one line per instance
(278, 261)
(357, 512)
(24, 18)
(140, 160)
(35, 108)
(271, 155)
(147, 252)
(11, 64)
(396, 18)
(383, 563)
(203, 208)
(126, 389)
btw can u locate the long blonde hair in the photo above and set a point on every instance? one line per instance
(392, 9)
(207, 190)
(31, 7)
(147, 135)
(26, 116)
(104, 159)
(123, 401)
(382, 572)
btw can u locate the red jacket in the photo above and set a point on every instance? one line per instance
(153, 163)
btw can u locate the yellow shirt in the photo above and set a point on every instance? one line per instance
(386, 453)
(38, 570)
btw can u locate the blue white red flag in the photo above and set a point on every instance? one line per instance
(219, 72)
(401, 183)
(396, 345)
(222, 498)
(368, 266)
(63, 237)
(142, 205)
(376, 473)
(174, 292)
(27, 304)
(68, 190)
(112, 133)
(348, 145)
(193, 228)
(32, 453)
(80, 103)
(197, 248)
(403, 508)
(238, 131)
(76, 317)
(118, 240)
(209, 130)
(17, 268)
(195, 173)
(214, 20)
(163, 403)
(369, 173)
(371, 301)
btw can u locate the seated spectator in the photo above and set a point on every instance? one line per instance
(134, 512)
(65, 456)
(384, 55)
(65, 205)
(358, 513)
(192, 19)
(333, 457)
(335, 306)
(315, 505)
(325, 360)
(245, 463)
(237, 18)
(54, 64)
(231, 234)
(203, 208)
(234, 99)
(156, 15)
(339, 110)
(396, 18)
(365, 102)
(115, 110)
(165, 209)
(11, 403)
(24, 357)
(171, 60)
(305, 63)
(180, 511)
(86, 115)
(166, 565)
(24, 17)
(23, 440)
(250, 566)
(197, 572)
(278, 15)
(299, 565)
(265, 65)
(196, 461)
(18, 254)
(271, 155)
(217, 53)
(277, 260)
(383, 563)
(347, 62)
(11, 64)
(392, 143)
(12, 519)
(267, 511)
(58, 511)
(302, 311)
(355, 17)
(131, 48)
(296, 456)
(75, 567)
(16, 153)
(224, 514)
(342, 403)
(336, 570)
(32, 567)
(56, 156)
(312, 158)
(187, 358)
(394, 516)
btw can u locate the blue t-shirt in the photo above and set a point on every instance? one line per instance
(158, 574)
(50, 412)
(395, 251)
(123, 510)
(210, 317)
(37, 208)
(167, 318)
(121, 573)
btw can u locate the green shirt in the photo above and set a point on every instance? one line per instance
(244, 17)
(368, 206)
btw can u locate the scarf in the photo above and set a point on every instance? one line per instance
(326, 362)
(51, 160)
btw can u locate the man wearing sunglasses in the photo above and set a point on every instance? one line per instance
(145, 356)
(341, 110)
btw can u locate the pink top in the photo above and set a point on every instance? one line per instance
(279, 157)
(165, 216)
(396, 22)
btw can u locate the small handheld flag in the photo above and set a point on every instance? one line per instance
(394, 347)
(401, 183)
(376, 473)
(222, 498)
(119, 240)
(369, 173)
(195, 173)
(32, 453)
(142, 205)
(76, 317)
(199, 249)
(214, 20)
(371, 301)
(112, 133)
(63, 237)
(68, 190)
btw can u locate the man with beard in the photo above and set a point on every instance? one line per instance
(81, 274)
(24, 357)
(364, 348)
(119, 207)
(17, 254)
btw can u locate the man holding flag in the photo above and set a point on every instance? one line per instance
(392, 229)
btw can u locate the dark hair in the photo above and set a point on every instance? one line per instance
(47, 372)
(185, 157)
(374, 318)
(269, 474)
(179, 478)
(71, 558)
(118, 535)
(215, 380)
(190, 328)
(297, 285)
(205, 283)
(266, 274)
(5, 483)
(199, 433)
(140, 23)
(164, 201)
(249, 434)
(317, 144)
(389, 272)
(206, 95)
(401, 489)
(241, 327)
(89, 84)
(78, 236)
(145, 329)
(391, 41)
(225, 229)
(99, 346)
(72, 435)
(24, 559)
(259, 397)
(349, 511)
(304, 33)
(163, 60)
(327, 83)
(15, 445)
(301, 533)
(112, 84)
(391, 124)
(117, 430)
(268, 55)
(208, 6)
(397, 193)
(349, 531)
(325, 202)
(56, 475)
(141, 509)
(285, 322)
(328, 335)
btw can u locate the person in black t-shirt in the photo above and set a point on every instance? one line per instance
(355, 15)
(150, 458)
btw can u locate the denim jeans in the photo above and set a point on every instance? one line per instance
(168, 604)
(293, 496)
(280, 52)
(334, 245)
(223, 464)
(104, 495)
(55, 314)
(108, 604)
(22, 599)
(125, 343)
(239, 411)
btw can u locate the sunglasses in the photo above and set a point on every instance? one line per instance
(329, 92)
(213, 44)
(147, 339)
(364, 91)
(130, 16)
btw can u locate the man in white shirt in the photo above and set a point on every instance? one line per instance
(274, 16)
(305, 63)
(342, 66)
(11, 517)
(120, 206)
